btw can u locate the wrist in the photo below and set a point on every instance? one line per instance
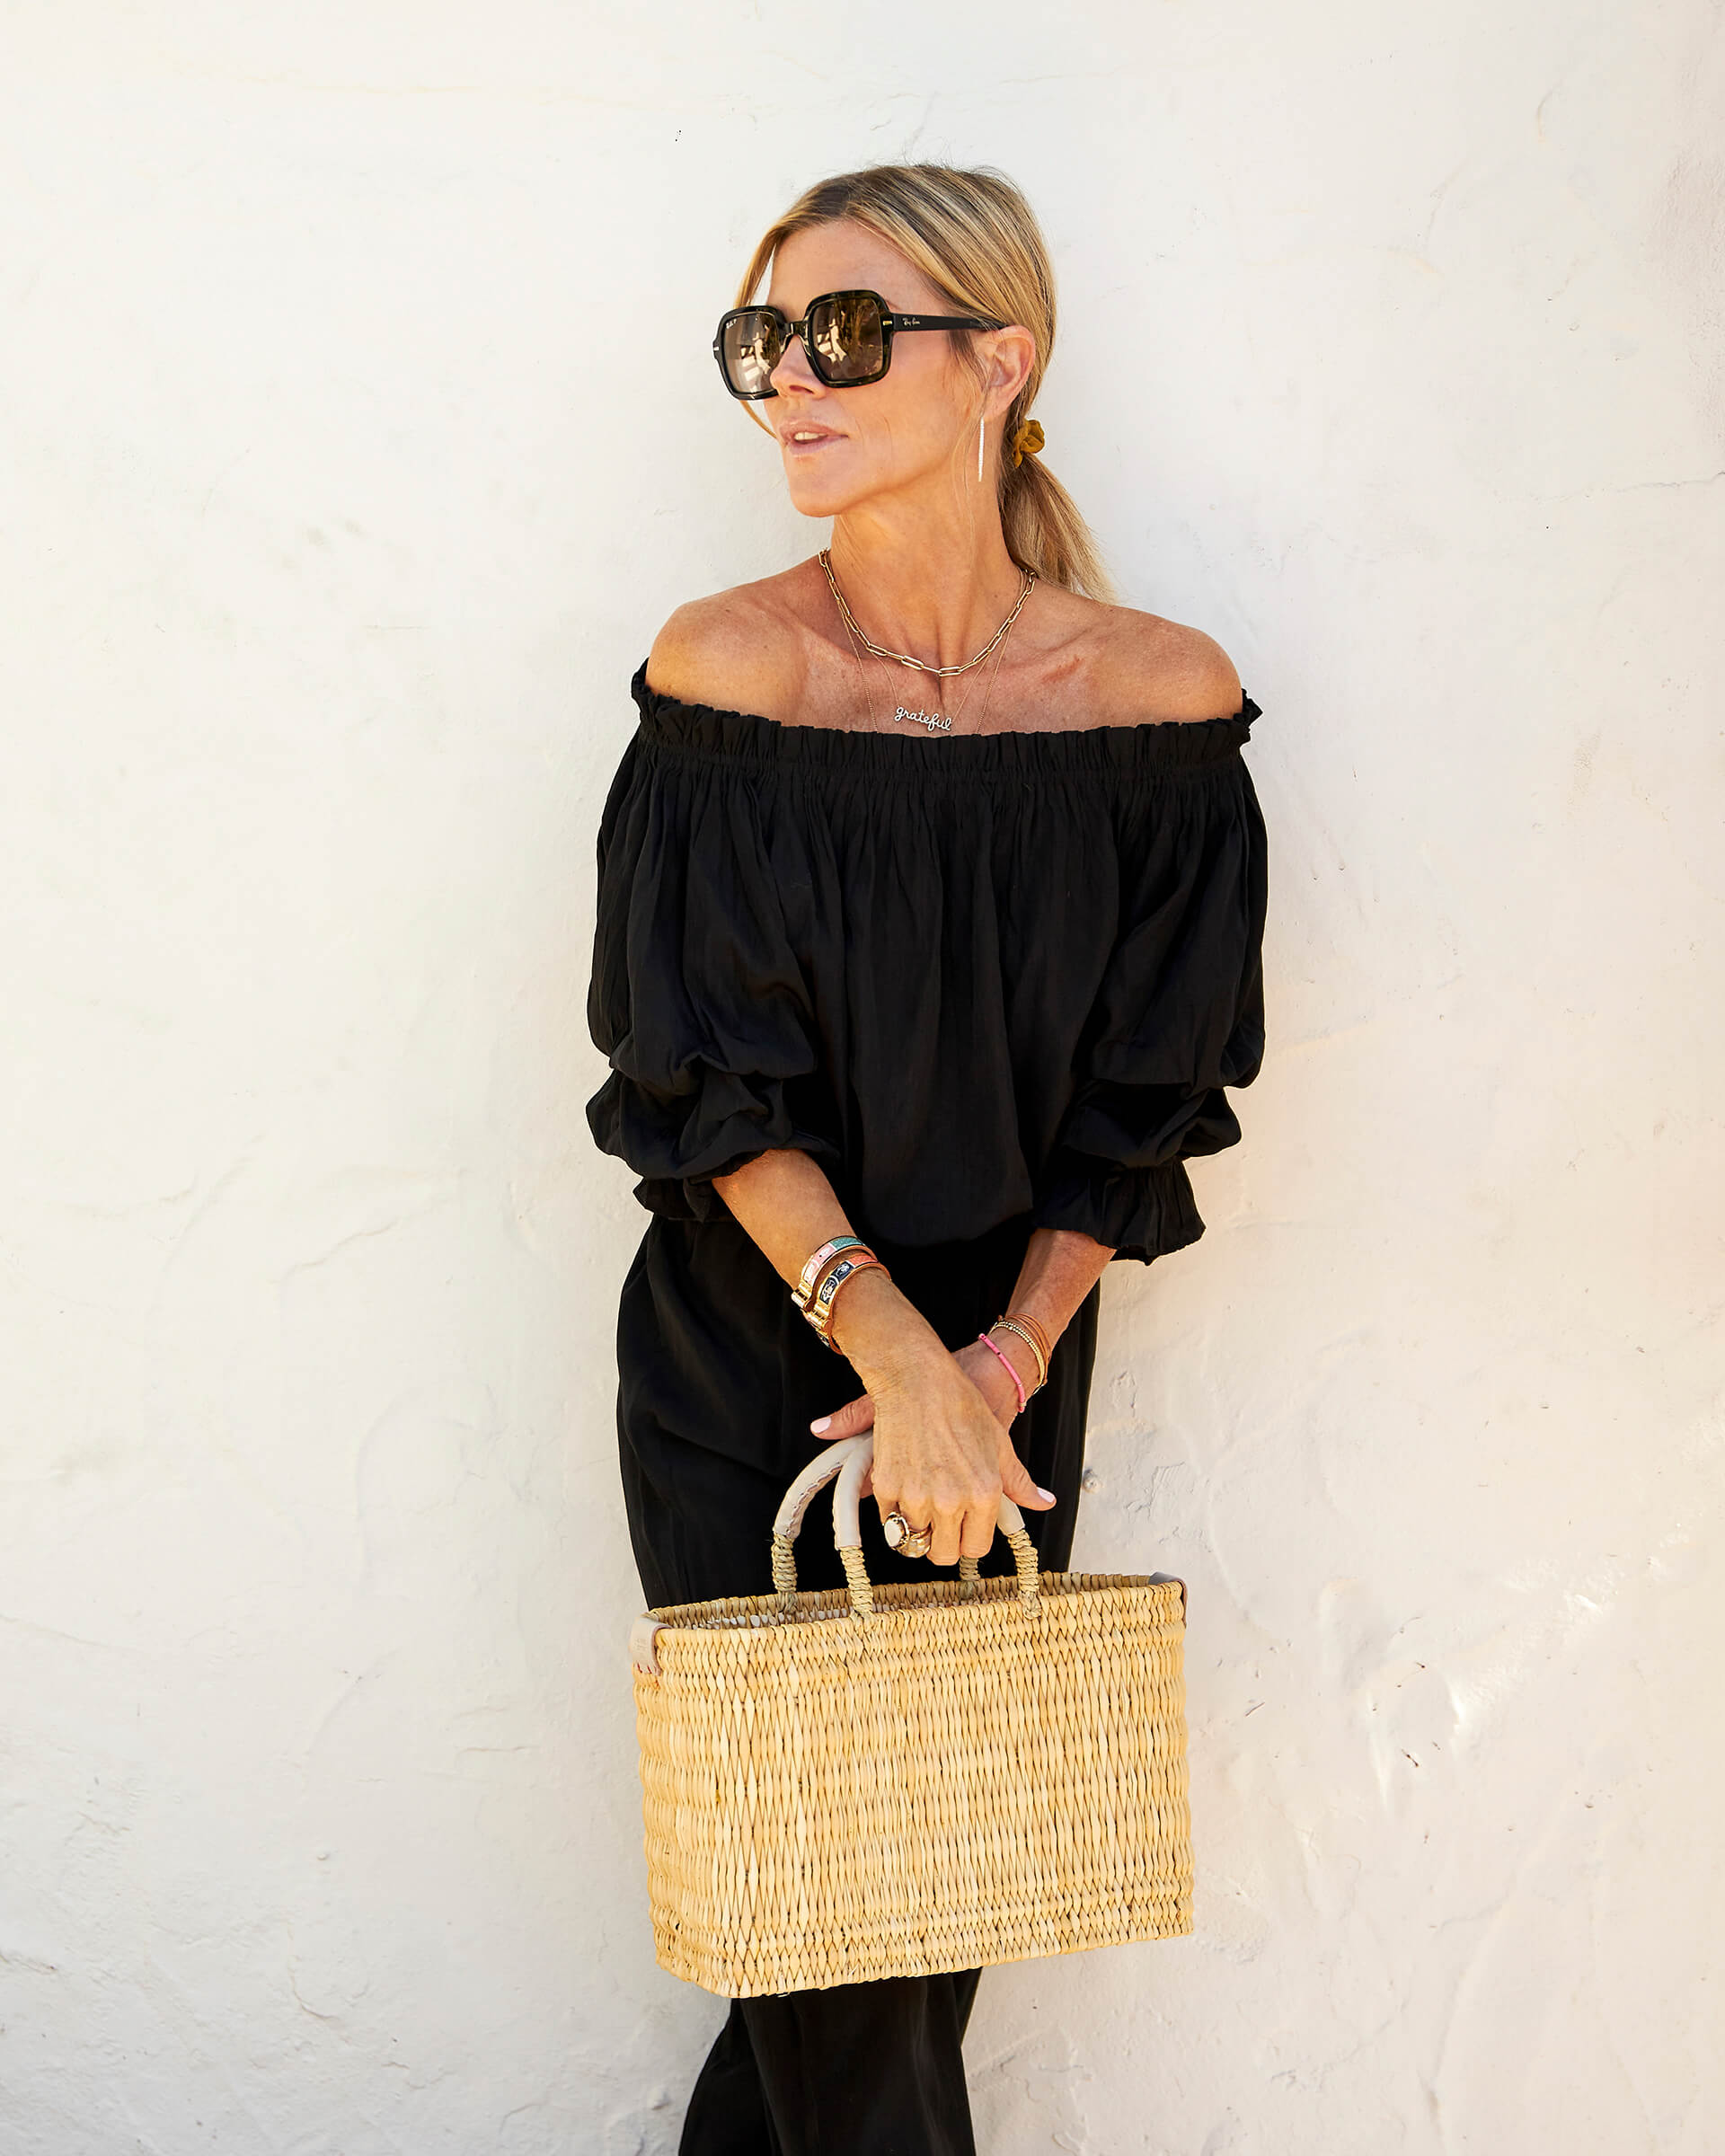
(878, 1330)
(994, 1384)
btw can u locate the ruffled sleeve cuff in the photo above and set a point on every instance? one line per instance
(1141, 1213)
(681, 1142)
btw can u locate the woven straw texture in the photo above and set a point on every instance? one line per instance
(962, 1778)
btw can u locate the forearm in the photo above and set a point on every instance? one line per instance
(784, 1203)
(1060, 1267)
(941, 1418)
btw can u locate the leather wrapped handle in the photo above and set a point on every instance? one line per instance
(848, 1459)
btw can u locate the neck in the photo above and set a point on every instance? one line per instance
(933, 579)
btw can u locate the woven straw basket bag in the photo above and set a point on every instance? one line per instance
(873, 1781)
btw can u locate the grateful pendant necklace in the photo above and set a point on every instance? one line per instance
(931, 720)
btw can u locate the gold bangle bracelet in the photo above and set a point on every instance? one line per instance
(1024, 1317)
(1013, 1326)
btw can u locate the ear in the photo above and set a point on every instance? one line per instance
(1010, 355)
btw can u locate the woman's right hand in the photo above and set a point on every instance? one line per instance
(942, 1450)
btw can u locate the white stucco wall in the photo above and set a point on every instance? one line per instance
(357, 429)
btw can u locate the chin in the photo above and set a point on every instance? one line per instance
(810, 497)
(828, 486)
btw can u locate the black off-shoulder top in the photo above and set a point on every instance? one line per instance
(976, 978)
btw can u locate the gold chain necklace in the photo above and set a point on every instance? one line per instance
(929, 721)
(905, 659)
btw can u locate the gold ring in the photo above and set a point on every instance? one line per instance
(906, 1540)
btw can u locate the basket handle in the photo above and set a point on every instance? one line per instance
(848, 1458)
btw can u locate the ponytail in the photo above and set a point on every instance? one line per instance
(1043, 525)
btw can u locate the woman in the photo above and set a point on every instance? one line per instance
(957, 963)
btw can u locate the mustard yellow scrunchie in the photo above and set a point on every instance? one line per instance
(1027, 441)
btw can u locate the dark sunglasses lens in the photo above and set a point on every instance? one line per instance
(849, 336)
(751, 347)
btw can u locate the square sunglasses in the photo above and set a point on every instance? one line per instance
(847, 337)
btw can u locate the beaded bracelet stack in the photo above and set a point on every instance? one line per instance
(1035, 1339)
(846, 1256)
(826, 1271)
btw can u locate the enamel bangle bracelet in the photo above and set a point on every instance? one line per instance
(820, 1312)
(805, 1286)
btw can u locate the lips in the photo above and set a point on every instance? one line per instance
(809, 438)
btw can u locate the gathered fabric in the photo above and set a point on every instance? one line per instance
(1004, 974)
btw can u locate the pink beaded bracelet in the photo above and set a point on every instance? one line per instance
(1018, 1384)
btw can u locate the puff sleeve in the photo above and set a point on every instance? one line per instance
(1179, 1016)
(697, 997)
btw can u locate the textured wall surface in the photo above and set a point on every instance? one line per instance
(356, 430)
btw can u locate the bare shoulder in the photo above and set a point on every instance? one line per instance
(738, 650)
(1144, 667)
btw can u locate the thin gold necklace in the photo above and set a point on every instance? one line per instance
(905, 659)
(994, 676)
(932, 722)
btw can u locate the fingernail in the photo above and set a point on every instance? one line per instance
(819, 1424)
(1049, 1494)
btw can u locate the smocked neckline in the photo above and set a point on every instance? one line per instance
(750, 737)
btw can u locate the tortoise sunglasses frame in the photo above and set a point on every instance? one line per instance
(821, 315)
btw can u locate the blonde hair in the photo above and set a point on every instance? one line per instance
(976, 239)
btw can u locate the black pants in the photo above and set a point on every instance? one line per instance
(862, 2066)
(719, 1377)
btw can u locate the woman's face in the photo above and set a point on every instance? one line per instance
(841, 446)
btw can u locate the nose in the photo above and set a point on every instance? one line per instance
(793, 370)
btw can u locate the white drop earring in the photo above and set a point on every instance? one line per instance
(981, 424)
